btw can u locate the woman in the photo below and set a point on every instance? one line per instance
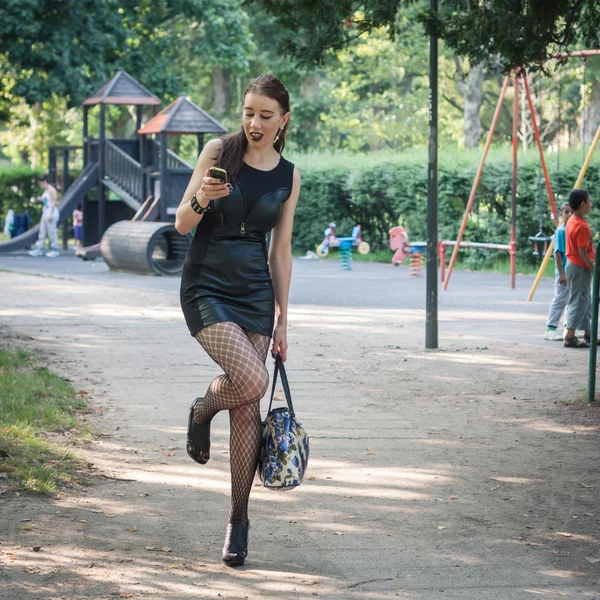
(231, 304)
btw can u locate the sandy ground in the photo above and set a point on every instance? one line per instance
(466, 473)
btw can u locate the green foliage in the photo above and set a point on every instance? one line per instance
(50, 50)
(520, 33)
(35, 401)
(393, 191)
(19, 189)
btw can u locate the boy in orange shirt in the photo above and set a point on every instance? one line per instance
(580, 267)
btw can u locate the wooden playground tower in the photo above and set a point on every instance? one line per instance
(511, 247)
(120, 176)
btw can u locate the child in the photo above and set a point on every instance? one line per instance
(78, 225)
(580, 267)
(561, 290)
(49, 221)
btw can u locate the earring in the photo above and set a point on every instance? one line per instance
(279, 132)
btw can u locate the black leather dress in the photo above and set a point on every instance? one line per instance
(225, 274)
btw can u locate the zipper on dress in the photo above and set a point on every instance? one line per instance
(248, 213)
(243, 223)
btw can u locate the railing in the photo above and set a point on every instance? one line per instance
(125, 171)
(173, 160)
(594, 329)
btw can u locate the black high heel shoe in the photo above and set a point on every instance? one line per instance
(198, 437)
(235, 548)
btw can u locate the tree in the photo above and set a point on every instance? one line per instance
(48, 48)
(470, 84)
(521, 32)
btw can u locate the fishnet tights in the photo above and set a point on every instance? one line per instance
(241, 353)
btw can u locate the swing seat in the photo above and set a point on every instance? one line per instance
(540, 244)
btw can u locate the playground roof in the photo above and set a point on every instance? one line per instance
(182, 116)
(122, 89)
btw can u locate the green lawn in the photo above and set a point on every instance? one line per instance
(35, 402)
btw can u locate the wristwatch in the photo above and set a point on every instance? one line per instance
(197, 208)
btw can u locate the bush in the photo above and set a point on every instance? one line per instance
(393, 191)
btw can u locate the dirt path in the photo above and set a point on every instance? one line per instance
(468, 473)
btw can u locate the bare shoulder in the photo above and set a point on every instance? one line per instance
(297, 177)
(214, 145)
(210, 152)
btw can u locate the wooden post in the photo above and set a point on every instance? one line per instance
(52, 166)
(65, 187)
(513, 216)
(200, 143)
(164, 176)
(86, 156)
(101, 163)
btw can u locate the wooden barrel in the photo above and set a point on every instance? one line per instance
(145, 248)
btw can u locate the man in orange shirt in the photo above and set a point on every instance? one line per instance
(580, 267)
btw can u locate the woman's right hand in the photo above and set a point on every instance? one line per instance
(212, 188)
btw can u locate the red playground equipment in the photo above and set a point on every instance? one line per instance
(332, 241)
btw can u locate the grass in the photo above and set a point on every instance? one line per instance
(35, 401)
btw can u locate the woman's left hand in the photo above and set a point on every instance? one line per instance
(280, 342)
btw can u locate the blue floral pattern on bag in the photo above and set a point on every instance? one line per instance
(284, 451)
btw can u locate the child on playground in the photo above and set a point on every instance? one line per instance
(561, 289)
(49, 221)
(579, 270)
(78, 225)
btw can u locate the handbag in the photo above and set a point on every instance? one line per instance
(284, 445)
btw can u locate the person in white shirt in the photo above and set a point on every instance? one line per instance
(49, 222)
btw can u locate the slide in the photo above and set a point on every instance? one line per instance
(73, 196)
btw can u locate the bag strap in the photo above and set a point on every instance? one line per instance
(280, 370)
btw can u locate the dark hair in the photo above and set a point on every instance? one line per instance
(577, 197)
(44, 177)
(231, 156)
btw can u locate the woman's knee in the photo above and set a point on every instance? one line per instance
(256, 386)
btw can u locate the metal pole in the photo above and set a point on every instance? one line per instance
(550, 250)
(591, 396)
(538, 139)
(513, 216)
(431, 305)
(476, 182)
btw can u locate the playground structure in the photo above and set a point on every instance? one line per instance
(332, 241)
(400, 243)
(542, 243)
(134, 180)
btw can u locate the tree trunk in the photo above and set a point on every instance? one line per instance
(471, 88)
(592, 113)
(222, 91)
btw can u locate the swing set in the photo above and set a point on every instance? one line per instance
(543, 245)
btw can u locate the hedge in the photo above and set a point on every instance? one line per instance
(394, 192)
(381, 191)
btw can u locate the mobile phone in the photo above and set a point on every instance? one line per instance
(218, 173)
